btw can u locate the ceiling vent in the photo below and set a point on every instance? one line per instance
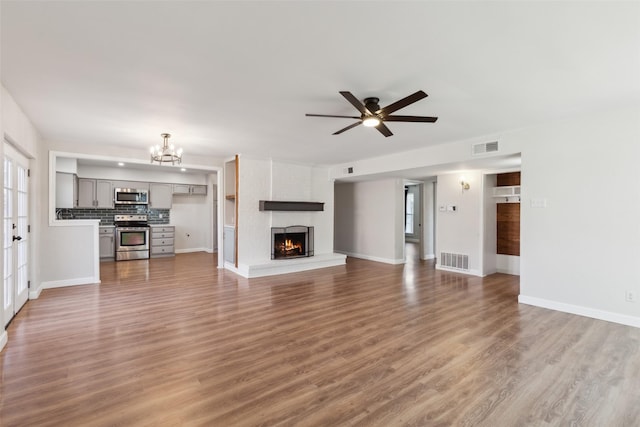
(484, 148)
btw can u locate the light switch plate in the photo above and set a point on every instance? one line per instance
(538, 203)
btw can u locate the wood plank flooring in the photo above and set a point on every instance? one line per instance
(175, 341)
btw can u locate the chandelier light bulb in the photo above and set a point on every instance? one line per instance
(167, 153)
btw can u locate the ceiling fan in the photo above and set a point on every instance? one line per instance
(371, 115)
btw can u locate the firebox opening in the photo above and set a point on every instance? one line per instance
(291, 242)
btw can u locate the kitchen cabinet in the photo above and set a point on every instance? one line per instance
(162, 240)
(107, 242)
(66, 189)
(196, 190)
(160, 196)
(137, 185)
(200, 190)
(94, 193)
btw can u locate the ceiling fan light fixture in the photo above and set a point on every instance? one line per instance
(167, 153)
(371, 122)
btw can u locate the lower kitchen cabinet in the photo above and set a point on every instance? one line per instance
(107, 242)
(162, 240)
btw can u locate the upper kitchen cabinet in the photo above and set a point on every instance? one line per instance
(95, 193)
(187, 189)
(136, 185)
(66, 189)
(160, 196)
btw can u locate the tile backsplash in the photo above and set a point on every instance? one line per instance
(106, 215)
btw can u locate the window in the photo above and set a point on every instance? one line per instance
(408, 218)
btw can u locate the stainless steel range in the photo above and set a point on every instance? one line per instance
(132, 237)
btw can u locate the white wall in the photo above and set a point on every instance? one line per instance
(490, 226)
(129, 155)
(460, 231)
(580, 253)
(129, 174)
(190, 216)
(428, 217)
(17, 127)
(254, 227)
(508, 264)
(19, 131)
(369, 220)
(68, 255)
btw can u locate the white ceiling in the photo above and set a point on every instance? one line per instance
(238, 77)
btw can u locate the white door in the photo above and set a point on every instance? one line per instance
(16, 236)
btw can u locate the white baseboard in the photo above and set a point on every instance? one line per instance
(35, 293)
(508, 271)
(231, 267)
(372, 258)
(593, 313)
(4, 337)
(430, 256)
(70, 282)
(189, 250)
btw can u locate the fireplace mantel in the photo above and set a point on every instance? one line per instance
(273, 205)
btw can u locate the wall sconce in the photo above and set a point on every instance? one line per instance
(465, 184)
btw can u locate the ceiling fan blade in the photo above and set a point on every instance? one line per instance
(420, 119)
(347, 128)
(401, 103)
(384, 130)
(329, 115)
(356, 103)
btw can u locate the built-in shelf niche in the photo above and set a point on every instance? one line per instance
(508, 191)
(230, 192)
(274, 205)
(230, 235)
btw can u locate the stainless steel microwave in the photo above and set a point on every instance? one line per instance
(131, 196)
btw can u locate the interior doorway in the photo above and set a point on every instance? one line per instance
(413, 248)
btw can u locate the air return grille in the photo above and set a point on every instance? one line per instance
(457, 261)
(484, 148)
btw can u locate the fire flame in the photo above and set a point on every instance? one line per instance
(289, 245)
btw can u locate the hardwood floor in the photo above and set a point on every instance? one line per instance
(176, 341)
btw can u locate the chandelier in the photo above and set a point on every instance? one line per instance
(167, 153)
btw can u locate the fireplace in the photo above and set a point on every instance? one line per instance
(295, 241)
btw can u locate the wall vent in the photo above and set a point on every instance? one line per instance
(457, 261)
(484, 148)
